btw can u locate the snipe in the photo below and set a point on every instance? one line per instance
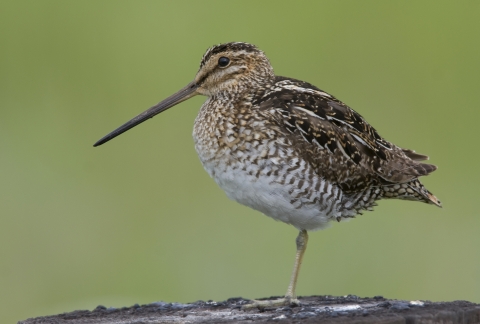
(288, 149)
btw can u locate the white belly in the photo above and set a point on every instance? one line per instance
(285, 196)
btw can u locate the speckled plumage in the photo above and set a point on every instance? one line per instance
(294, 152)
(288, 149)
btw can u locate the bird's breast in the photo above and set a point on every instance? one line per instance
(258, 167)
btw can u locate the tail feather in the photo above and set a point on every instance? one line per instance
(412, 190)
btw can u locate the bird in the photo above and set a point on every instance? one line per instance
(288, 149)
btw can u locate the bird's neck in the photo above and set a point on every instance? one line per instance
(245, 89)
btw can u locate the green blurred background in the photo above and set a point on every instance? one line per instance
(138, 220)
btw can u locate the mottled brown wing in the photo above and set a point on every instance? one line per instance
(323, 120)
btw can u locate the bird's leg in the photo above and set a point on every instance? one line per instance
(290, 297)
(302, 240)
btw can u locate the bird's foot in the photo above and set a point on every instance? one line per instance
(261, 304)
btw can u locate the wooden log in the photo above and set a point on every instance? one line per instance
(314, 309)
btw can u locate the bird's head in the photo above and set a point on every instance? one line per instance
(226, 70)
(232, 68)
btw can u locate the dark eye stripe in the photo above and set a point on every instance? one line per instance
(203, 79)
(222, 62)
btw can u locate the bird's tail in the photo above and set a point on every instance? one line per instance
(413, 190)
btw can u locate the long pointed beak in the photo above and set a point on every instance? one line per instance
(182, 95)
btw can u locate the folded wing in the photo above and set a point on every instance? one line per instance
(323, 121)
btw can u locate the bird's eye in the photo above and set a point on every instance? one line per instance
(223, 61)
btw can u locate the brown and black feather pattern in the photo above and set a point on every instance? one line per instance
(343, 147)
